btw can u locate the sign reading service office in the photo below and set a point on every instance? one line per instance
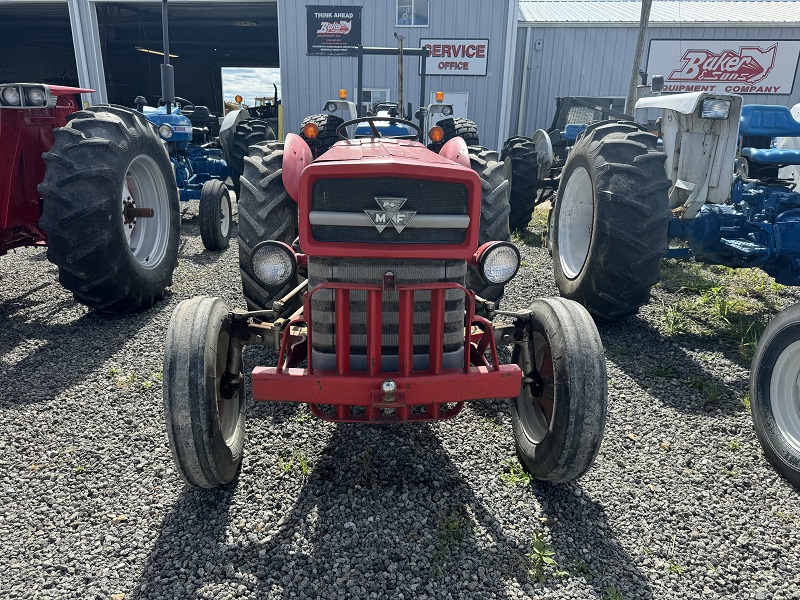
(734, 66)
(456, 57)
(333, 30)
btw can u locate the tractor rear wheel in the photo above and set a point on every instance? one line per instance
(327, 136)
(247, 133)
(215, 215)
(558, 420)
(774, 393)
(610, 220)
(524, 181)
(460, 127)
(495, 175)
(105, 169)
(266, 212)
(205, 424)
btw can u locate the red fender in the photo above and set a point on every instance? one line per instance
(296, 157)
(456, 150)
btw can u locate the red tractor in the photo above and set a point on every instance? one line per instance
(95, 186)
(367, 270)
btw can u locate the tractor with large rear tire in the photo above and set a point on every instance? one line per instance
(366, 269)
(96, 186)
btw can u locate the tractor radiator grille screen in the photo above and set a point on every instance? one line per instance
(417, 199)
(372, 271)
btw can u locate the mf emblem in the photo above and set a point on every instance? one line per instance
(390, 213)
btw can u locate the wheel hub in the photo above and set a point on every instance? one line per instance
(784, 394)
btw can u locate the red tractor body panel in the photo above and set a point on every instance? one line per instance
(24, 135)
(365, 158)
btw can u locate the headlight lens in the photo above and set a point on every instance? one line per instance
(274, 263)
(447, 111)
(330, 107)
(165, 131)
(715, 108)
(10, 96)
(499, 262)
(35, 96)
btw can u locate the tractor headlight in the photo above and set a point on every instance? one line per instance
(330, 107)
(10, 96)
(35, 96)
(715, 108)
(274, 263)
(498, 262)
(447, 111)
(165, 131)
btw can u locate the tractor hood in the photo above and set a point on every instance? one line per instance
(379, 171)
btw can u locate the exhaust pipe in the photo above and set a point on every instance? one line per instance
(167, 70)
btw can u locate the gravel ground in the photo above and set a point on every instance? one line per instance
(680, 503)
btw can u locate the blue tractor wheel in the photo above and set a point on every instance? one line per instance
(215, 215)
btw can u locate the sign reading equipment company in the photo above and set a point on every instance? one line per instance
(456, 57)
(333, 30)
(736, 66)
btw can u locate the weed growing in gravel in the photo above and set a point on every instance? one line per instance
(672, 317)
(674, 567)
(734, 445)
(451, 530)
(303, 416)
(513, 474)
(745, 400)
(297, 461)
(579, 567)
(540, 215)
(492, 423)
(541, 558)
(721, 302)
(707, 387)
(612, 593)
(666, 372)
(786, 517)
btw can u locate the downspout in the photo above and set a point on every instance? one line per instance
(508, 68)
(523, 88)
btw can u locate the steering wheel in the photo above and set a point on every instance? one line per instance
(340, 130)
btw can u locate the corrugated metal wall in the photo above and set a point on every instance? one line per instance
(307, 81)
(596, 61)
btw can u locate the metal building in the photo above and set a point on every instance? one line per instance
(579, 48)
(308, 80)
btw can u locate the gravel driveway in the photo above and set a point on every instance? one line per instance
(680, 503)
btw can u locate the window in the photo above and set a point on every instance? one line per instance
(371, 96)
(412, 13)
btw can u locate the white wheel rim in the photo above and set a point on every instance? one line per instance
(225, 214)
(784, 394)
(575, 219)
(147, 237)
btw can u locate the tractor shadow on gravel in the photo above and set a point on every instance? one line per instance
(381, 509)
(38, 338)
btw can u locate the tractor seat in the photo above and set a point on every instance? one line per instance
(772, 156)
(199, 115)
(768, 120)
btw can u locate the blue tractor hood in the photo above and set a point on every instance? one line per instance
(181, 125)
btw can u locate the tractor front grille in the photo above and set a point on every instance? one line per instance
(371, 271)
(338, 210)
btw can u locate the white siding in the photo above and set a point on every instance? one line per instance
(307, 81)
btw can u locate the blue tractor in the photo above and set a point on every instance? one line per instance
(713, 193)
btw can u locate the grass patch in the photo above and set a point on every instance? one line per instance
(297, 462)
(514, 474)
(612, 593)
(708, 388)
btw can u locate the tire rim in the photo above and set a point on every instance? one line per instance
(784, 394)
(536, 412)
(225, 215)
(144, 186)
(227, 408)
(575, 219)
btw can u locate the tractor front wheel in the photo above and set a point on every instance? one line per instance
(111, 209)
(559, 418)
(327, 136)
(775, 395)
(521, 152)
(247, 133)
(204, 417)
(610, 220)
(215, 215)
(459, 127)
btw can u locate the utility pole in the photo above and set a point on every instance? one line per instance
(637, 56)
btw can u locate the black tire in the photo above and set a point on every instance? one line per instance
(103, 157)
(625, 218)
(459, 127)
(775, 419)
(568, 355)
(205, 429)
(266, 212)
(247, 133)
(326, 137)
(495, 183)
(215, 215)
(524, 181)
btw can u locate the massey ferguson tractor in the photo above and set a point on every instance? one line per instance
(366, 270)
(96, 186)
(621, 201)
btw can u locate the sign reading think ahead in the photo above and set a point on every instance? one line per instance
(333, 30)
(739, 67)
(456, 57)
